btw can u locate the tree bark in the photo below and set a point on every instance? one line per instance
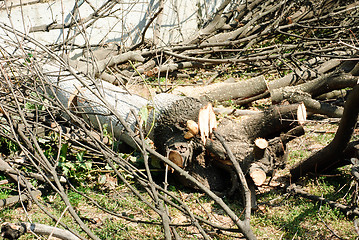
(225, 91)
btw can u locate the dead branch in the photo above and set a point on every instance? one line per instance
(16, 230)
(103, 64)
(6, 168)
(347, 210)
(215, 24)
(247, 194)
(21, 198)
(145, 29)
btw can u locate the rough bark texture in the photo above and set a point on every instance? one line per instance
(209, 163)
(172, 114)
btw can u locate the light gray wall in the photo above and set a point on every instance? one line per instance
(179, 21)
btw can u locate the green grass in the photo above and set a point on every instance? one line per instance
(294, 217)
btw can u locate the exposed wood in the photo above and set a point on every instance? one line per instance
(257, 174)
(192, 127)
(313, 106)
(301, 114)
(260, 144)
(176, 158)
(241, 139)
(206, 121)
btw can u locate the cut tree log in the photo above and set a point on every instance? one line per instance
(313, 106)
(306, 92)
(318, 86)
(243, 90)
(260, 144)
(257, 174)
(209, 163)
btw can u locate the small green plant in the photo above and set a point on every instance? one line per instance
(106, 133)
(8, 146)
(5, 191)
(144, 115)
(156, 79)
(35, 104)
(79, 169)
(29, 56)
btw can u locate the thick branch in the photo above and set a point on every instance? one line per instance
(226, 91)
(325, 158)
(15, 230)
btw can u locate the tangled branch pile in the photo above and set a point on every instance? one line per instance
(50, 143)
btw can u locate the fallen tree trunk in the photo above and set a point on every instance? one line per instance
(205, 164)
(168, 119)
(246, 36)
(95, 108)
(81, 96)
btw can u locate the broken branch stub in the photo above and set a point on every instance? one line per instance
(260, 144)
(193, 129)
(206, 121)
